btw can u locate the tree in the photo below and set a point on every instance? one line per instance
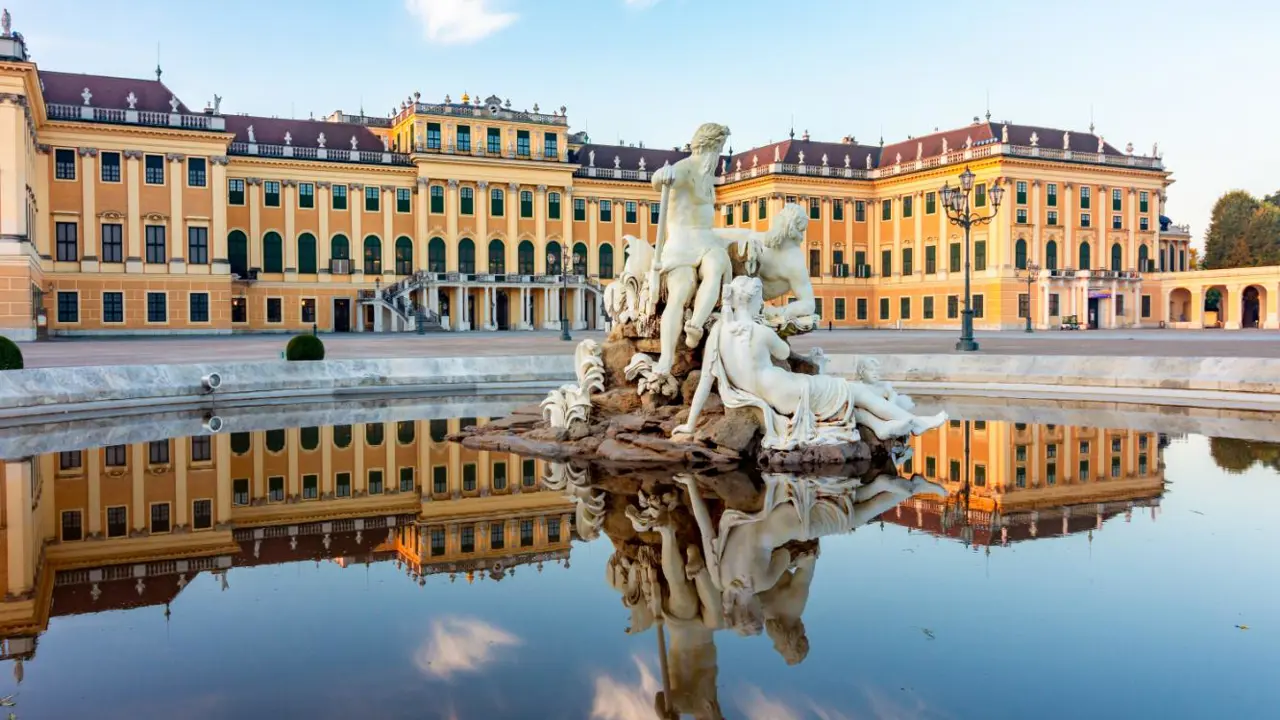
(1262, 235)
(1230, 219)
(1273, 198)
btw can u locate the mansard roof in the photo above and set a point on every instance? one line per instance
(108, 92)
(628, 157)
(303, 133)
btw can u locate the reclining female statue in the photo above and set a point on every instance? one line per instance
(797, 409)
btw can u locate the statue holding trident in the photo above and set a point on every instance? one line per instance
(691, 255)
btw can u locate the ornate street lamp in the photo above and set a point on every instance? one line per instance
(1032, 271)
(564, 287)
(960, 212)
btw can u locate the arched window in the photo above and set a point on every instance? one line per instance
(580, 259)
(1020, 254)
(372, 255)
(1117, 257)
(340, 248)
(1051, 255)
(241, 442)
(272, 253)
(1084, 256)
(275, 440)
(553, 258)
(497, 257)
(342, 436)
(238, 253)
(405, 431)
(373, 433)
(1143, 258)
(307, 253)
(467, 257)
(404, 256)
(309, 438)
(436, 255)
(525, 258)
(606, 261)
(496, 205)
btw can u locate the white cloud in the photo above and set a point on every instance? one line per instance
(460, 645)
(615, 700)
(755, 705)
(458, 22)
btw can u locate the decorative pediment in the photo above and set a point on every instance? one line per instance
(154, 217)
(111, 215)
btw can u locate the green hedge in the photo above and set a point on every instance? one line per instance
(305, 347)
(10, 355)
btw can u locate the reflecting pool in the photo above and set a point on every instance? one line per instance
(1010, 567)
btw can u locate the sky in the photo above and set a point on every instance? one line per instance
(1190, 76)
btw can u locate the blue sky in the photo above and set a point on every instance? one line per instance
(1193, 76)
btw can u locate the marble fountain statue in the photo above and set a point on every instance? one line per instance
(697, 370)
(702, 552)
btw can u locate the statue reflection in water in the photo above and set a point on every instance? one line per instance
(699, 553)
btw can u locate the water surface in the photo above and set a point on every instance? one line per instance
(1070, 572)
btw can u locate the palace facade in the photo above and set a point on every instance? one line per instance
(125, 211)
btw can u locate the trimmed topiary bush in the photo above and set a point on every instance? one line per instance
(304, 347)
(10, 355)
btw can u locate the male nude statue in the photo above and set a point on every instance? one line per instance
(694, 260)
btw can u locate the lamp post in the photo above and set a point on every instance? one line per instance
(1032, 272)
(564, 288)
(960, 212)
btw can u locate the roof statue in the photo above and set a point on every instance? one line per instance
(87, 96)
(320, 140)
(617, 162)
(897, 159)
(739, 165)
(944, 146)
(1155, 150)
(801, 156)
(919, 150)
(1035, 139)
(217, 104)
(288, 138)
(968, 141)
(355, 144)
(777, 154)
(824, 159)
(846, 160)
(1102, 145)
(1066, 140)
(6, 23)
(252, 139)
(591, 158)
(868, 161)
(642, 164)
(173, 103)
(386, 144)
(1004, 134)
(131, 99)
(1128, 149)
(755, 160)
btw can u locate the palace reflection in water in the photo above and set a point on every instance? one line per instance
(131, 525)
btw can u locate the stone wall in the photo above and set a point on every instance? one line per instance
(35, 395)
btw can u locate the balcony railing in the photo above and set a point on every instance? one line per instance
(476, 150)
(202, 121)
(371, 157)
(340, 266)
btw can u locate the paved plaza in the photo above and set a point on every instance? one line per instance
(191, 349)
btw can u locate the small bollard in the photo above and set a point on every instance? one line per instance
(314, 330)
